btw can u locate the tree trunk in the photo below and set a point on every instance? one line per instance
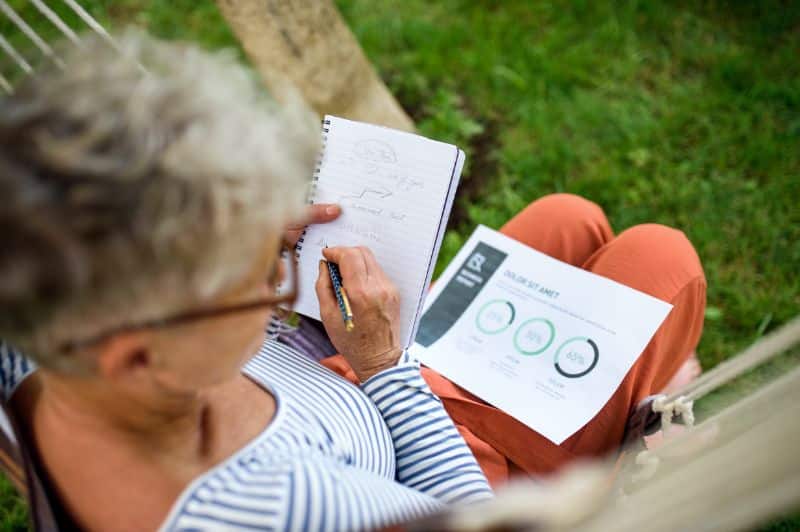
(307, 44)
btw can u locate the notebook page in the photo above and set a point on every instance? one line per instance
(448, 206)
(392, 187)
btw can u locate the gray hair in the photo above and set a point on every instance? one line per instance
(129, 196)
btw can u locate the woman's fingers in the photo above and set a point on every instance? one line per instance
(351, 262)
(373, 267)
(376, 310)
(379, 281)
(317, 214)
(321, 213)
(375, 286)
(292, 236)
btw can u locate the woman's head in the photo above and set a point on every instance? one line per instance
(137, 184)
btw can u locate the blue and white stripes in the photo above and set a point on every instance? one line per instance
(430, 455)
(334, 457)
(327, 461)
(13, 368)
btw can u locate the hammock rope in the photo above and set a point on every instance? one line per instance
(764, 349)
(56, 21)
(730, 472)
(680, 404)
(30, 33)
(16, 56)
(39, 42)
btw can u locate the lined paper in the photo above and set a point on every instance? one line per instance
(395, 190)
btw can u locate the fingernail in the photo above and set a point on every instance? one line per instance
(332, 209)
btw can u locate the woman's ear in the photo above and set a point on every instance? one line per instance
(123, 355)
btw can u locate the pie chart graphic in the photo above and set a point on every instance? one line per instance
(495, 316)
(534, 336)
(576, 357)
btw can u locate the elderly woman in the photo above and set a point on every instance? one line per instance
(141, 234)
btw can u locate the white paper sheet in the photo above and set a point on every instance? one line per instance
(544, 341)
(396, 190)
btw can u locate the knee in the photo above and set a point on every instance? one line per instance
(564, 226)
(659, 252)
(564, 209)
(661, 261)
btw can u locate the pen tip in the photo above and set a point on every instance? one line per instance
(348, 326)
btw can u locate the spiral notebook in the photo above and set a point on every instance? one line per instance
(396, 190)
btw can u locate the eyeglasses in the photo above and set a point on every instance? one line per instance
(286, 298)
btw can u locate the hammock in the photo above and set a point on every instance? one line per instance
(41, 44)
(730, 472)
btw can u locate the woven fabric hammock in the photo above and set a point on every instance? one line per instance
(19, 60)
(730, 472)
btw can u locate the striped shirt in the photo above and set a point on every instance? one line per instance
(334, 457)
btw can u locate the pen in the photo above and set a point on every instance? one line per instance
(341, 296)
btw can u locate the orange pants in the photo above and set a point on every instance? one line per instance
(654, 259)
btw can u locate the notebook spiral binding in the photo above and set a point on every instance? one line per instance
(313, 187)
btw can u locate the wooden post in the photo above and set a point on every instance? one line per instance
(305, 43)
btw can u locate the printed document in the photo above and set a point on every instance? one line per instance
(544, 341)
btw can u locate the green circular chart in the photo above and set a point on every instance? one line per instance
(576, 357)
(534, 336)
(495, 316)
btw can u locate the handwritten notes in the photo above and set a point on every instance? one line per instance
(396, 190)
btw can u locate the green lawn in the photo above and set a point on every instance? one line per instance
(682, 113)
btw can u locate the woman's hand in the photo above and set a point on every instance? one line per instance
(374, 343)
(317, 214)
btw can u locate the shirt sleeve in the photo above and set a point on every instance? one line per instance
(432, 457)
(276, 326)
(14, 367)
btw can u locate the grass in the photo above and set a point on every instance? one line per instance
(681, 113)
